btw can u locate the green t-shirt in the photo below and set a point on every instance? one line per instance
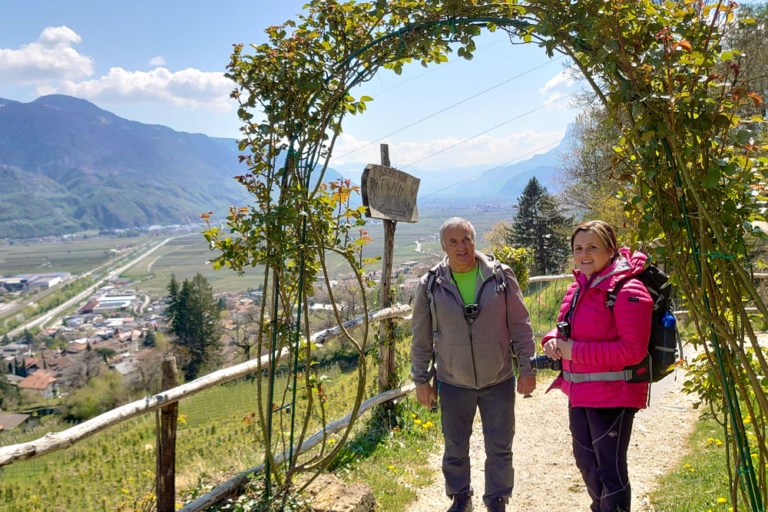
(466, 281)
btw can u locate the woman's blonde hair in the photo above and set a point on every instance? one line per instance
(604, 232)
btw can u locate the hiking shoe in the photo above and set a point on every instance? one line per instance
(497, 505)
(461, 503)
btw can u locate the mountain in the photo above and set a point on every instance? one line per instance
(67, 166)
(498, 185)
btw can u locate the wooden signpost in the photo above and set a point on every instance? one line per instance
(390, 195)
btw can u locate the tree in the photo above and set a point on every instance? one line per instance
(149, 338)
(100, 395)
(150, 368)
(173, 295)
(244, 332)
(85, 368)
(195, 323)
(540, 227)
(748, 38)
(587, 169)
(106, 353)
(8, 393)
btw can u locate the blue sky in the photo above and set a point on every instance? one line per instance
(161, 62)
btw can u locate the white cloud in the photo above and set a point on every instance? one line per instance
(50, 58)
(447, 152)
(54, 66)
(187, 88)
(558, 88)
(560, 81)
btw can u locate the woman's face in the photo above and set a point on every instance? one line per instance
(589, 253)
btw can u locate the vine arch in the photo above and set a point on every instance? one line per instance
(693, 163)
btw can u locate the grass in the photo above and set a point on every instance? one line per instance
(184, 257)
(115, 468)
(394, 462)
(699, 483)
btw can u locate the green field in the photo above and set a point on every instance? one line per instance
(187, 255)
(184, 257)
(73, 255)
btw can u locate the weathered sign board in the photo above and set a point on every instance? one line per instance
(390, 194)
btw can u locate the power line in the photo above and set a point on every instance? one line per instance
(533, 152)
(551, 102)
(468, 98)
(460, 102)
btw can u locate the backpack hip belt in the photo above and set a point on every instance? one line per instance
(624, 375)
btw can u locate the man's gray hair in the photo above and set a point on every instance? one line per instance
(456, 222)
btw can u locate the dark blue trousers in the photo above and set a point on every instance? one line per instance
(497, 412)
(600, 444)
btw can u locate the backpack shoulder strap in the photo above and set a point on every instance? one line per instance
(430, 286)
(613, 293)
(501, 278)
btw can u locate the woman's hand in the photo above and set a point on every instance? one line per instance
(558, 348)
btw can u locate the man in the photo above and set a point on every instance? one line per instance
(467, 333)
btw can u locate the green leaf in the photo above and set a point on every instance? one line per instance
(712, 179)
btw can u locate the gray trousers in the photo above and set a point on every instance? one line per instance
(497, 412)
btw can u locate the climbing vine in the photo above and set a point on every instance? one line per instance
(695, 166)
(694, 179)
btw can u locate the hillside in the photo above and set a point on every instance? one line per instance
(67, 166)
(499, 185)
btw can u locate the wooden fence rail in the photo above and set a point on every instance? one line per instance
(59, 440)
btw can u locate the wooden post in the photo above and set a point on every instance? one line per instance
(166, 443)
(387, 366)
(390, 195)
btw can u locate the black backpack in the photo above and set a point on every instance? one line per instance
(664, 345)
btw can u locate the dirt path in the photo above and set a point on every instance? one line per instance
(546, 478)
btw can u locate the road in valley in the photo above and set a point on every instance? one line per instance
(44, 319)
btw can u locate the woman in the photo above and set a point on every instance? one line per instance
(595, 343)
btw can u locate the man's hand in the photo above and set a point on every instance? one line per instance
(427, 395)
(526, 384)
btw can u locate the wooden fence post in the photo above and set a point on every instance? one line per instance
(166, 443)
(387, 363)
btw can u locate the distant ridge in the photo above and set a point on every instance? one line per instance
(502, 184)
(67, 165)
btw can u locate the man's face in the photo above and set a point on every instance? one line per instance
(460, 247)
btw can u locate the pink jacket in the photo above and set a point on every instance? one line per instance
(605, 341)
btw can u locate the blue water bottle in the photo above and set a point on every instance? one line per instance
(668, 320)
(664, 357)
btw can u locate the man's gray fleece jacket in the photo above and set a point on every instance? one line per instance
(477, 354)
